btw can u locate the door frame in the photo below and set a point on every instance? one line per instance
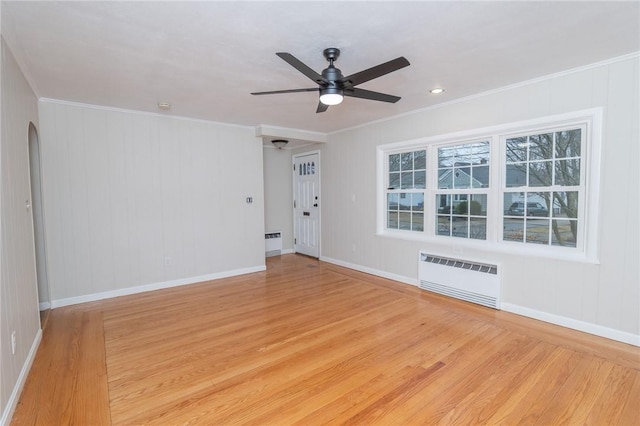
(293, 194)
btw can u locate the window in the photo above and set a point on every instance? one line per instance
(406, 179)
(463, 182)
(543, 187)
(528, 187)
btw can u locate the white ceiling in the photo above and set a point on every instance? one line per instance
(206, 57)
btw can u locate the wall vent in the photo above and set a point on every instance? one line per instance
(272, 244)
(460, 278)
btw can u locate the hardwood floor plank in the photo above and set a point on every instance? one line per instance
(68, 381)
(311, 343)
(621, 384)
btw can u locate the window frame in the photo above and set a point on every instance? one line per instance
(401, 190)
(552, 188)
(437, 191)
(588, 213)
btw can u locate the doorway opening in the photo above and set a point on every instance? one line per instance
(44, 298)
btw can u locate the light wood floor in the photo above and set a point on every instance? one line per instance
(311, 343)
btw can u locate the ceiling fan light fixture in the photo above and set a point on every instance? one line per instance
(279, 143)
(331, 96)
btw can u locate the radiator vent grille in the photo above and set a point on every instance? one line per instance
(463, 279)
(272, 244)
(458, 263)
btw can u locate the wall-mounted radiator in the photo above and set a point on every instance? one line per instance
(463, 279)
(272, 244)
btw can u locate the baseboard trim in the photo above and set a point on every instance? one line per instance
(45, 305)
(287, 251)
(155, 286)
(587, 327)
(367, 270)
(12, 403)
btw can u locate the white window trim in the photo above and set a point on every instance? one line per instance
(591, 162)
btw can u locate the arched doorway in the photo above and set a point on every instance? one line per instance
(38, 218)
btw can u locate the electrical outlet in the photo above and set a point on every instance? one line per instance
(167, 261)
(13, 342)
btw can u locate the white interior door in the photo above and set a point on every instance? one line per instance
(306, 204)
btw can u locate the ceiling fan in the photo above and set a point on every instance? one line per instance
(332, 86)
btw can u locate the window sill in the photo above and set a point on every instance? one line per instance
(456, 246)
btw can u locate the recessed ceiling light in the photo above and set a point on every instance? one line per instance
(436, 90)
(164, 105)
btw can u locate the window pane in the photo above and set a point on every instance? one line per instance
(478, 228)
(446, 156)
(480, 177)
(443, 227)
(419, 160)
(541, 147)
(568, 143)
(404, 220)
(565, 204)
(461, 177)
(417, 223)
(537, 203)
(517, 149)
(417, 202)
(513, 230)
(392, 201)
(394, 163)
(478, 205)
(516, 175)
(540, 173)
(481, 152)
(514, 203)
(568, 172)
(406, 161)
(564, 233)
(461, 207)
(445, 179)
(394, 180)
(392, 220)
(405, 201)
(538, 231)
(460, 226)
(407, 180)
(419, 179)
(443, 204)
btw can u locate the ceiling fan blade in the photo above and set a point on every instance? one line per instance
(321, 107)
(300, 66)
(273, 92)
(375, 72)
(368, 94)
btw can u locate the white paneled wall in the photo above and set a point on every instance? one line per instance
(278, 194)
(137, 199)
(18, 287)
(603, 298)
